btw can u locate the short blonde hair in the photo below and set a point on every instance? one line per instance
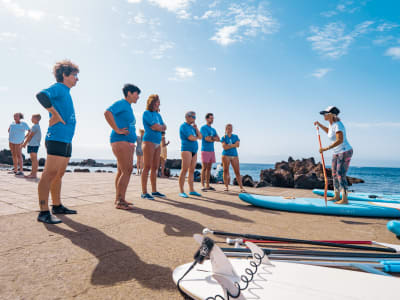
(37, 116)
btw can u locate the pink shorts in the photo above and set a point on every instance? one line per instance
(207, 156)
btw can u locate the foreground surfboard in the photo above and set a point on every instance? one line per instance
(364, 196)
(291, 281)
(317, 206)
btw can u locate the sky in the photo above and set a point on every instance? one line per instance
(267, 67)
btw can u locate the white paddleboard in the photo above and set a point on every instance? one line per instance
(291, 281)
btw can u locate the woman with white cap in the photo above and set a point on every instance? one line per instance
(342, 151)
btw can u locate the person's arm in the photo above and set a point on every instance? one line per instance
(167, 143)
(28, 138)
(228, 146)
(158, 127)
(198, 133)
(326, 129)
(216, 138)
(111, 121)
(339, 140)
(209, 139)
(44, 100)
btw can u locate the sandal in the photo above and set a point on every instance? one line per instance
(122, 204)
(226, 189)
(243, 191)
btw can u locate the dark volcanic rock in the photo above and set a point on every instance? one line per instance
(6, 157)
(81, 170)
(246, 181)
(177, 164)
(305, 174)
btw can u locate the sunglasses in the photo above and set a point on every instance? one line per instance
(194, 117)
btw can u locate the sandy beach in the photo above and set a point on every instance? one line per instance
(105, 253)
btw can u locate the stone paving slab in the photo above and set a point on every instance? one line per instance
(105, 253)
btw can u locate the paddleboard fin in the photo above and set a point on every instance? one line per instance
(258, 254)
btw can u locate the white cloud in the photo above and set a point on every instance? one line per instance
(19, 11)
(182, 73)
(178, 7)
(386, 26)
(241, 21)
(212, 69)
(3, 88)
(133, 1)
(124, 36)
(383, 40)
(375, 125)
(319, 73)
(8, 36)
(332, 41)
(159, 51)
(349, 7)
(394, 52)
(225, 35)
(70, 24)
(139, 19)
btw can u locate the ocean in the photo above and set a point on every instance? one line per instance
(377, 180)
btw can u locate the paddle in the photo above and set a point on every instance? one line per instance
(298, 241)
(314, 253)
(242, 241)
(323, 167)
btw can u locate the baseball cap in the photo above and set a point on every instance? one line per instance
(330, 109)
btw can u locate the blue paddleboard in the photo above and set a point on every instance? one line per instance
(364, 196)
(317, 206)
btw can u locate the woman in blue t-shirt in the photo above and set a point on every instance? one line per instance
(230, 143)
(123, 137)
(153, 127)
(16, 136)
(342, 152)
(189, 134)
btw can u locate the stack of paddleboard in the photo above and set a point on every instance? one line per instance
(255, 272)
(360, 204)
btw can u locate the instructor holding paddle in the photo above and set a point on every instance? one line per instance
(342, 151)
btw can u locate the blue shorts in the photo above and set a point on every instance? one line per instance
(33, 149)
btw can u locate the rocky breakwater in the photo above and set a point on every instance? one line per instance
(302, 174)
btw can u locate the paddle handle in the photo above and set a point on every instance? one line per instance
(323, 167)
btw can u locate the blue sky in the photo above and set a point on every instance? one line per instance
(266, 67)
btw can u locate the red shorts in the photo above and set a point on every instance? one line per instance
(207, 156)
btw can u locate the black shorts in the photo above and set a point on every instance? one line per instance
(33, 149)
(59, 148)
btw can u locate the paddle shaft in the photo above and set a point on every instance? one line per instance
(324, 168)
(314, 253)
(297, 241)
(324, 241)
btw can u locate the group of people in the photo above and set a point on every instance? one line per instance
(58, 102)
(152, 145)
(21, 135)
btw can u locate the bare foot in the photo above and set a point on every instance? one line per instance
(333, 199)
(30, 176)
(342, 202)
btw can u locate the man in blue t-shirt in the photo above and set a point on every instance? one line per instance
(58, 102)
(207, 151)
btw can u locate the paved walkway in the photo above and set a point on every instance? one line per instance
(105, 253)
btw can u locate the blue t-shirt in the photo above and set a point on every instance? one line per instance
(149, 119)
(61, 100)
(185, 131)
(37, 136)
(229, 141)
(17, 132)
(205, 131)
(124, 118)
